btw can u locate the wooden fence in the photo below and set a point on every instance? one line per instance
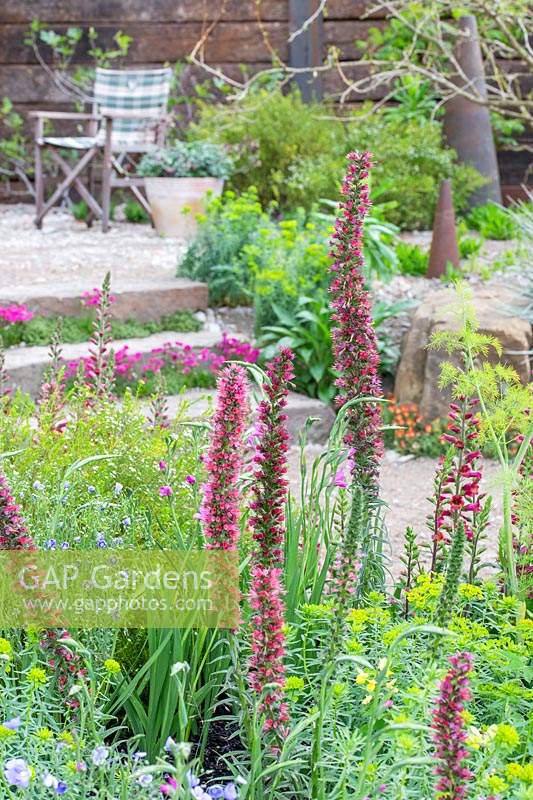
(247, 33)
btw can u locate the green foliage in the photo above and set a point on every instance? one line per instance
(80, 211)
(412, 160)
(493, 222)
(61, 48)
(134, 212)
(186, 160)
(412, 260)
(468, 245)
(244, 256)
(286, 261)
(305, 326)
(216, 255)
(306, 329)
(505, 130)
(288, 149)
(414, 99)
(15, 144)
(39, 330)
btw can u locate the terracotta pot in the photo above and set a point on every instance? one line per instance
(175, 202)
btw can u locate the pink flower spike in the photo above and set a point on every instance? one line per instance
(220, 507)
(165, 491)
(353, 336)
(449, 729)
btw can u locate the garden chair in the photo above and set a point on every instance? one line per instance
(129, 116)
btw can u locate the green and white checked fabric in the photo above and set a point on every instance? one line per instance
(127, 90)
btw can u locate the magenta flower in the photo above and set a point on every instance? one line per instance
(220, 507)
(354, 339)
(14, 534)
(15, 313)
(266, 665)
(165, 491)
(457, 492)
(449, 733)
(270, 460)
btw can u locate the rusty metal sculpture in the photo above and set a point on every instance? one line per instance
(444, 249)
(467, 126)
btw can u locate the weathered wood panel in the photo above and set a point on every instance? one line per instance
(123, 11)
(231, 42)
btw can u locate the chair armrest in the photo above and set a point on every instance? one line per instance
(64, 115)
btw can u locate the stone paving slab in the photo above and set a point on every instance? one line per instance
(141, 299)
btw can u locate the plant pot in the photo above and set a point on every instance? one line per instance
(175, 202)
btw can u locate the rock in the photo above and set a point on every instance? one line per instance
(419, 368)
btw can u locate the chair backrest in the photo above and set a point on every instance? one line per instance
(125, 90)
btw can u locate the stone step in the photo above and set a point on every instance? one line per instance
(25, 366)
(200, 402)
(142, 299)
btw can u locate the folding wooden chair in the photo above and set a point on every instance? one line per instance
(129, 116)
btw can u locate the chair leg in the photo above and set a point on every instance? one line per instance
(90, 214)
(107, 168)
(39, 186)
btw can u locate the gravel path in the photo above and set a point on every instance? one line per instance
(66, 250)
(406, 483)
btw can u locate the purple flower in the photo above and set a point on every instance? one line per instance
(340, 478)
(162, 465)
(145, 779)
(91, 489)
(216, 791)
(165, 491)
(17, 773)
(12, 724)
(191, 480)
(126, 522)
(100, 755)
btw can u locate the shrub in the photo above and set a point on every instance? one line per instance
(289, 149)
(411, 161)
(216, 255)
(134, 212)
(186, 160)
(493, 222)
(412, 260)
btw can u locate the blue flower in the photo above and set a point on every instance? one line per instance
(38, 485)
(17, 773)
(126, 522)
(145, 779)
(65, 545)
(91, 489)
(61, 787)
(118, 488)
(50, 544)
